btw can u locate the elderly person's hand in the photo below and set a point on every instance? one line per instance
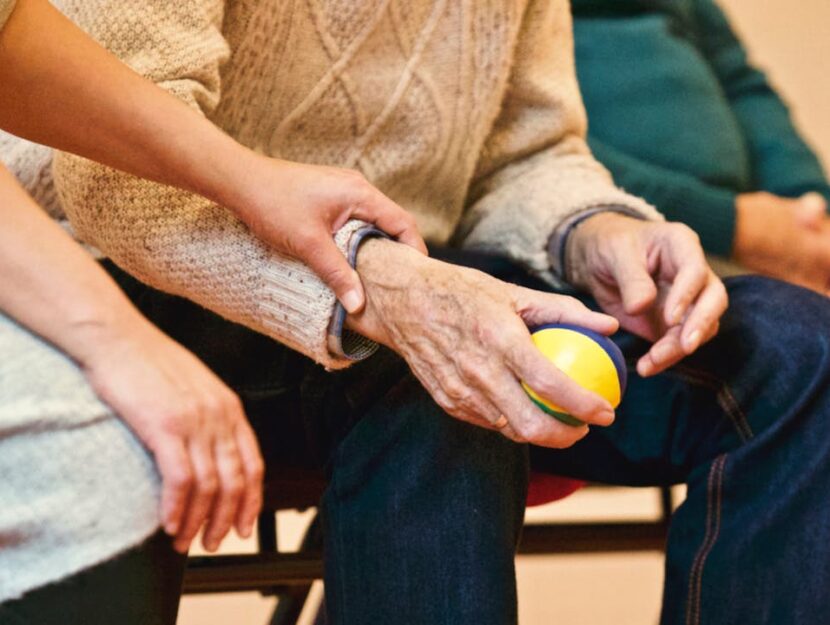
(192, 423)
(465, 336)
(654, 278)
(785, 238)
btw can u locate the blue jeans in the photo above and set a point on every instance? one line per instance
(423, 513)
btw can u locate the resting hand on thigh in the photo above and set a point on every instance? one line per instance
(784, 238)
(465, 336)
(192, 423)
(654, 278)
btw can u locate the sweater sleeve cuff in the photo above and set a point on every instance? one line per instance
(342, 342)
(558, 242)
(6, 8)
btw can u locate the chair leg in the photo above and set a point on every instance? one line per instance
(666, 504)
(291, 602)
(267, 531)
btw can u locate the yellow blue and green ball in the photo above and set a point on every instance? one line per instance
(589, 358)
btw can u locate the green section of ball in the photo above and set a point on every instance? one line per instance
(564, 417)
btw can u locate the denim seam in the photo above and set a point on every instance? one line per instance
(724, 396)
(713, 522)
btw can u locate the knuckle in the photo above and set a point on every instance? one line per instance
(444, 402)
(210, 405)
(567, 301)
(256, 470)
(530, 430)
(233, 405)
(683, 231)
(234, 486)
(474, 370)
(181, 478)
(208, 485)
(546, 385)
(455, 390)
(175, 421)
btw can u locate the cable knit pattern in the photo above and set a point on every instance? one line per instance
(467, 113)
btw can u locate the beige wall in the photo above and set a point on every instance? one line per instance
(791, 40)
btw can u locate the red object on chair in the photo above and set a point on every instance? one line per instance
(545, 488)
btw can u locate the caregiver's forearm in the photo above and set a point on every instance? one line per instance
(62, 89)
(50, 285)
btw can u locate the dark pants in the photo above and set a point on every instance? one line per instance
(423, 512)
(139, 587)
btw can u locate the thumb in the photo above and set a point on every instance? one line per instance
(811, 210)
(328, 262)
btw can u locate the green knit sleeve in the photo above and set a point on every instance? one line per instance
(6, 8)
(708, 210)
(781, 160)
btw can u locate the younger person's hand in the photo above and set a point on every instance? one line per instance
(296, 208)
(194, 426)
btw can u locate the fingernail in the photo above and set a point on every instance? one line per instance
(171, 527)
(693, 341)
(351, 301)
(677, 315)
(606, 417)
(247, 530)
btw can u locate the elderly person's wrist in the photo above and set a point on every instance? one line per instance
(388, 271)
(582, 242)
(558, 244)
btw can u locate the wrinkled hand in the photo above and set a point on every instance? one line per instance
(465, 336)
(785, 238)
(654, 278)
(194, 426)
(295, 208)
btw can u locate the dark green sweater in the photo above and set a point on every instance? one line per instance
(680, 116)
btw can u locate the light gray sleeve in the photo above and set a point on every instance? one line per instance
(6, 7)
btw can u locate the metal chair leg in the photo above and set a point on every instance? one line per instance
(292, 601)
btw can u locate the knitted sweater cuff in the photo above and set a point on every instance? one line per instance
(558, 244)
(342, 341)
(6, 8)
(305, 314)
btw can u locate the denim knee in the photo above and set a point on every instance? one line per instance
(774, 345)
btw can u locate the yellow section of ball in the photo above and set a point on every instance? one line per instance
(582, 359)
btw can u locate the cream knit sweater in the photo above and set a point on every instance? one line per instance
(465, 112)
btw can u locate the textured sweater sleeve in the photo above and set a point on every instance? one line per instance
(709, 210)
(536, 170)
(6, 8)
(782, 163)
(176, 241)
